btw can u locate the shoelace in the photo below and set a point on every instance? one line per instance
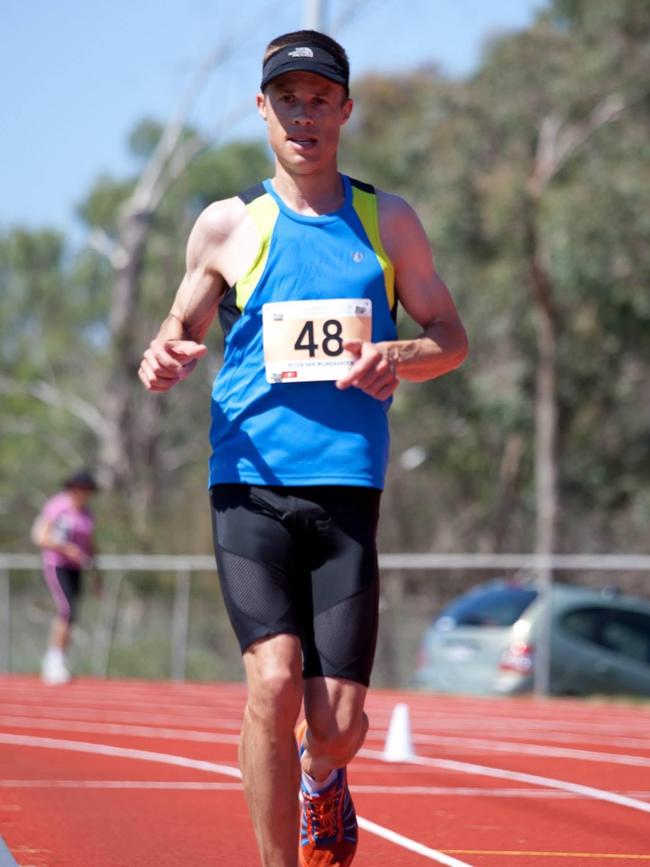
(322, 814)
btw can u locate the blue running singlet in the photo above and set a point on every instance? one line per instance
(302, 433)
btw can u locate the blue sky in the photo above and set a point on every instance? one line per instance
(77, 75)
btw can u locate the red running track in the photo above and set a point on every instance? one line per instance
(137, 774)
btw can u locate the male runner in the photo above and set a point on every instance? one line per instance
(306, 270)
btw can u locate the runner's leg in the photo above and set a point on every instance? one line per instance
(65, 586)
(267, 753)
(336, 724)
(60, 634)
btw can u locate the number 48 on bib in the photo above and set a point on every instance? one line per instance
(303, 340)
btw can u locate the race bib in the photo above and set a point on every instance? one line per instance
(303, 340)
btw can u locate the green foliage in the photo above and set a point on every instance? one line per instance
(219, 174)
(144, 137)
(625, 20)
(101, 208)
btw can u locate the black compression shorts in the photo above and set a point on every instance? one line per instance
(302, 561)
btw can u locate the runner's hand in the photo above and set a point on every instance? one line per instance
(74, 553)
(167, 362)
(372, 372)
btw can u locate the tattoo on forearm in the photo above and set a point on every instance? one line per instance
(400, 353)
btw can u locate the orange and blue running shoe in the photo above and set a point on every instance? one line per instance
(328, 822)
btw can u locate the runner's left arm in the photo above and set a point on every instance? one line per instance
(442, 344)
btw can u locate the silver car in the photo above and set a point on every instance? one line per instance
(484, 642)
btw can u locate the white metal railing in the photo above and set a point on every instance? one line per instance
(202, 563)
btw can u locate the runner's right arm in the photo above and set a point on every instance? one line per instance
(176, 349)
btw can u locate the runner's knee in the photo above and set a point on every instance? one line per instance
(274, 686)
(336, 734)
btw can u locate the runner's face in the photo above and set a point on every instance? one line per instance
(80, 496)
(304, 113)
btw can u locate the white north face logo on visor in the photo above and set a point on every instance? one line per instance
(301, 52)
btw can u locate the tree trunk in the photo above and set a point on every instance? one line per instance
(546, 475)
(509, 472)
(128, 432)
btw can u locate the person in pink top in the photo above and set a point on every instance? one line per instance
(64, 530)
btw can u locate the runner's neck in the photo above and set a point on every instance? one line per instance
(310, 195)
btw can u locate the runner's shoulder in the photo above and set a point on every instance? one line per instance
(398, 222)
(56, 504)
(393, 207)
(215, 225)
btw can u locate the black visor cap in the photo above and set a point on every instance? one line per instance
(305, 58)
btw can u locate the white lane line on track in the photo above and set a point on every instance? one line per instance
(524, 734)
(214, 768)
(433, 723)
(533, 750)
(209, 721)
(599, 720)
(411, 845)
(494, 726)
(534, 779)
(79, 689)
(120, 752)
(428, 791)
(105, 699)
(545, 709)
(579, 742)
(119, 729)
(170, 785)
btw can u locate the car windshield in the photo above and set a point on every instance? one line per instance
(494, 607)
